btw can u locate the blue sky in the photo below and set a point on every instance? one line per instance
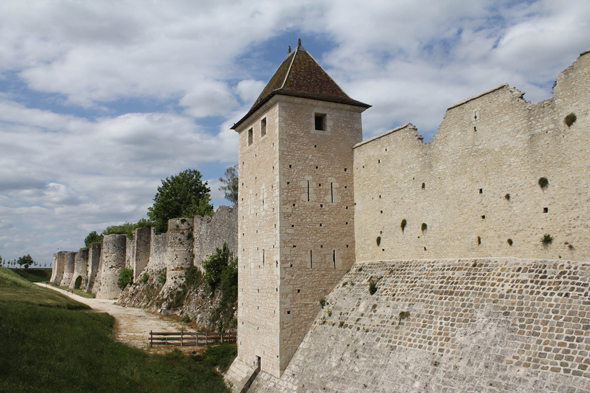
(99, 101)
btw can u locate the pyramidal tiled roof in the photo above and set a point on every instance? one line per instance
(299, 75)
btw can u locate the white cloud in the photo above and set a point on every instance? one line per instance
(62, 175)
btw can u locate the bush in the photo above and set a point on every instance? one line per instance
(162, 276)
(186, 318)
(193, 277)
(570, 119)
(214, 266)
(78, 282)
(547, 239)
(125, 278)
(322, 302)
(543, 183)
(144, 278)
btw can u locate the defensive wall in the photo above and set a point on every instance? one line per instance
(472, 257)
(467, 325)
(146, 251)
(474, 190)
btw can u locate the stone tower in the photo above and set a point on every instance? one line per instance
(296, 207)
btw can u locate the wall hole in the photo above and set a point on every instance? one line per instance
(481, 190)
(507, 197)
(478, 240)
(510, 242)
(545, 210)
(423, 185)
(483, 217)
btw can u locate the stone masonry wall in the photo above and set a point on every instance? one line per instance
(473, 191)
(468, 325)
(94, 267)
(158, 253)
(112, 261)
(69, 266)
(211, 232)
(80, 268)
(57, 272)
(141, 248)
(179, 251)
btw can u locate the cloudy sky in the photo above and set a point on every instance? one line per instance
(100, 100)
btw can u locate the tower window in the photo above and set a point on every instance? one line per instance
(250, 136)
(320, 122)
(263, 127)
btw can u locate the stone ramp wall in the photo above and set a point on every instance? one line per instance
(502, 324)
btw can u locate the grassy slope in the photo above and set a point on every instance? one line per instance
(34, 274)
(56, 349)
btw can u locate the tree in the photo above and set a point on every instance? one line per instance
(214, 266)
(183, 195)
(26, 261)
(92, 237)
(230, 184)
(1, 262)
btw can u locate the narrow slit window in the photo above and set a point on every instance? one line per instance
(320, 122)
(262, 257)
(334, 258)
(250, 136)
(263, 127)
(310, 259)
(332, 192)
(308, 191)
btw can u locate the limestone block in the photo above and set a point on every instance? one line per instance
(113, 261)
(141, 249)
(211, 233)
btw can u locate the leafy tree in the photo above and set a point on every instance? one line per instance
(1, 261)
(92, 238)
(183, 195)
(26, 261)
(230, 184)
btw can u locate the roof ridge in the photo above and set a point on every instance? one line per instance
(290, 66)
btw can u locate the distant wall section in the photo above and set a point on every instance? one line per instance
(211, 233)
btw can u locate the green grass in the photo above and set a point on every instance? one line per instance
(34, 274)
(57, 349)
(79, 292)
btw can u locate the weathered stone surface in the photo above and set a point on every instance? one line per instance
(80, 268)
(69, 266)
(94, 267)
(141, 251)
(113, 261)
(466, 325)
(57, 271)
(211, 232)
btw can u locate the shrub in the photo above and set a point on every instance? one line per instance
(78, 282)
(322, 302)
(543, 183)
(378, 240)
(403, 224)
(162, 276)
(372, 287)
(193, 277)
(144, 278)
(424, 227)
(329, 312)
(547, 239)
(125, 278)
(570, 119)
(186, 318)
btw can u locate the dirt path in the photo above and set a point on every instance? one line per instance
(132, 325)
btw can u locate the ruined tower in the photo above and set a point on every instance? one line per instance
(296, 207)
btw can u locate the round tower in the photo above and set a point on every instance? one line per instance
(113, 261)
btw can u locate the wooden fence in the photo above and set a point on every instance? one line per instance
(186, 339)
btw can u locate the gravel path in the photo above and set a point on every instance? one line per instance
(132, 325)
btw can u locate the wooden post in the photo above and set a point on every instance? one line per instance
(206, 338)
(181, 338)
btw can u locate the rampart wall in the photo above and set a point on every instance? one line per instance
(57, 271)
(113, 261)
(94, 267)
(141, 248)
(179, 249)
(211, 232)
(474, 190)
(69, 266)
(80, 268)
(468, 325)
